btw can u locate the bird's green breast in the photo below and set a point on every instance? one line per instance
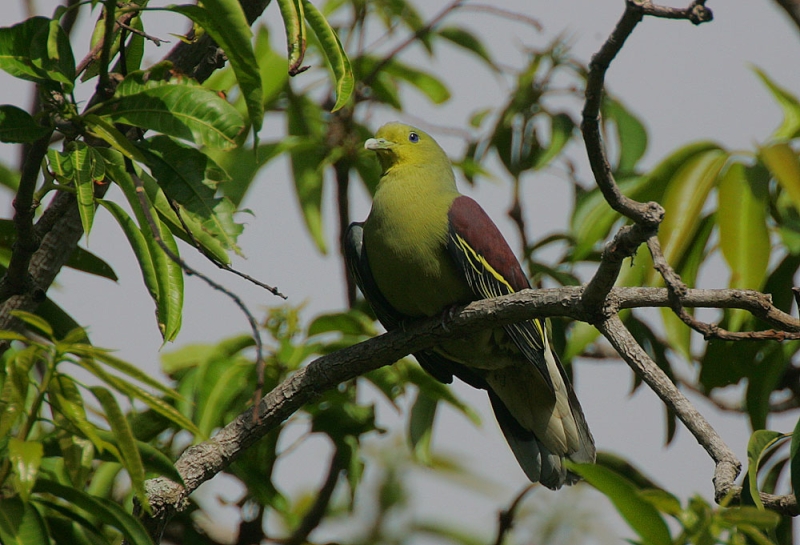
(405, 237)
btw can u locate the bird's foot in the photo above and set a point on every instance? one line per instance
(447, 316)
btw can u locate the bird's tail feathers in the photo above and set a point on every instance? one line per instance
(535, 459)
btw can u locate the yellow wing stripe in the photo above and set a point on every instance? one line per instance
(473, 256)
(479, 265)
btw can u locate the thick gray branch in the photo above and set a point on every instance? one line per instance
(201, 462)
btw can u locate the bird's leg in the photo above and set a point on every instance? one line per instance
(447, 316)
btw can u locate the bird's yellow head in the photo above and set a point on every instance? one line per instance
(404, 145)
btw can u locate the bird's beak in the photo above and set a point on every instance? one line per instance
(377, 144)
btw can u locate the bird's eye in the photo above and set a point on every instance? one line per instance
(413, 137)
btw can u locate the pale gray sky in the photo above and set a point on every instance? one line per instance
(687, 83)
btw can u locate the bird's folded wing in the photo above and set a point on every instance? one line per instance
(491, 269)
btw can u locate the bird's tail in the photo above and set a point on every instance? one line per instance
(541, 456)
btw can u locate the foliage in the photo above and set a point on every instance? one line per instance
(185, 153)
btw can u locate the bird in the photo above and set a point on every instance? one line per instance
(423, 250)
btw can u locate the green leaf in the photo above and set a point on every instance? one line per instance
(420, 426)
(21, 523)
(84, 184)
(789, 104)
(743, 197)
(561, 131)
(62, 323)
(293, 22)
(37, 50)
(746, 514)
(639, 513)
(101, 128)
(170, 282)
(230, 379)
(242, 164)
(85, 261)
(226, 23)
(126, 442)
(309, 158)
(34, 321)
(426, 83)
(436, 390)
(103, 355)
(61, 165)
(179, 108)
(466, 40)
(25, 458)
(794, 459)
(760, 442)
(273, 68)
(104, 510)
(191, 180)
(783, 163)
(138, 245)
(126, 388)
(684, 198)
(153, 459)
(352, 322)
(18, 126)
(631, 134)
(334, 52)
(764, 374)
(66, 399)
(167, 274)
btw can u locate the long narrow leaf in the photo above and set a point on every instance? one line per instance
(84, 184)
(760, 442)
(126, 388)
(788, 103)
(794, 460)
(191, 180)
(639, 513)
(153, 459)
(138, 245)
(293, 22)
(21, 523)
(334, 51)
(104, 510)
(225, 21)
(18, 126)
(126, 443)
(122, 366)
(743, 197)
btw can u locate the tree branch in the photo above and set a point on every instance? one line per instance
(17, 280)
(792, 8)
(727, 465)
(201, 462)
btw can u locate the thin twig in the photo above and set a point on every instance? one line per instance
(156, 232)
(317, 511)
(792, 8)
(103, 89)
(213, 259)
(727, 465)
(507, 14)
(146, 36)
(408, 41)
(505, 518)
(95, 52)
